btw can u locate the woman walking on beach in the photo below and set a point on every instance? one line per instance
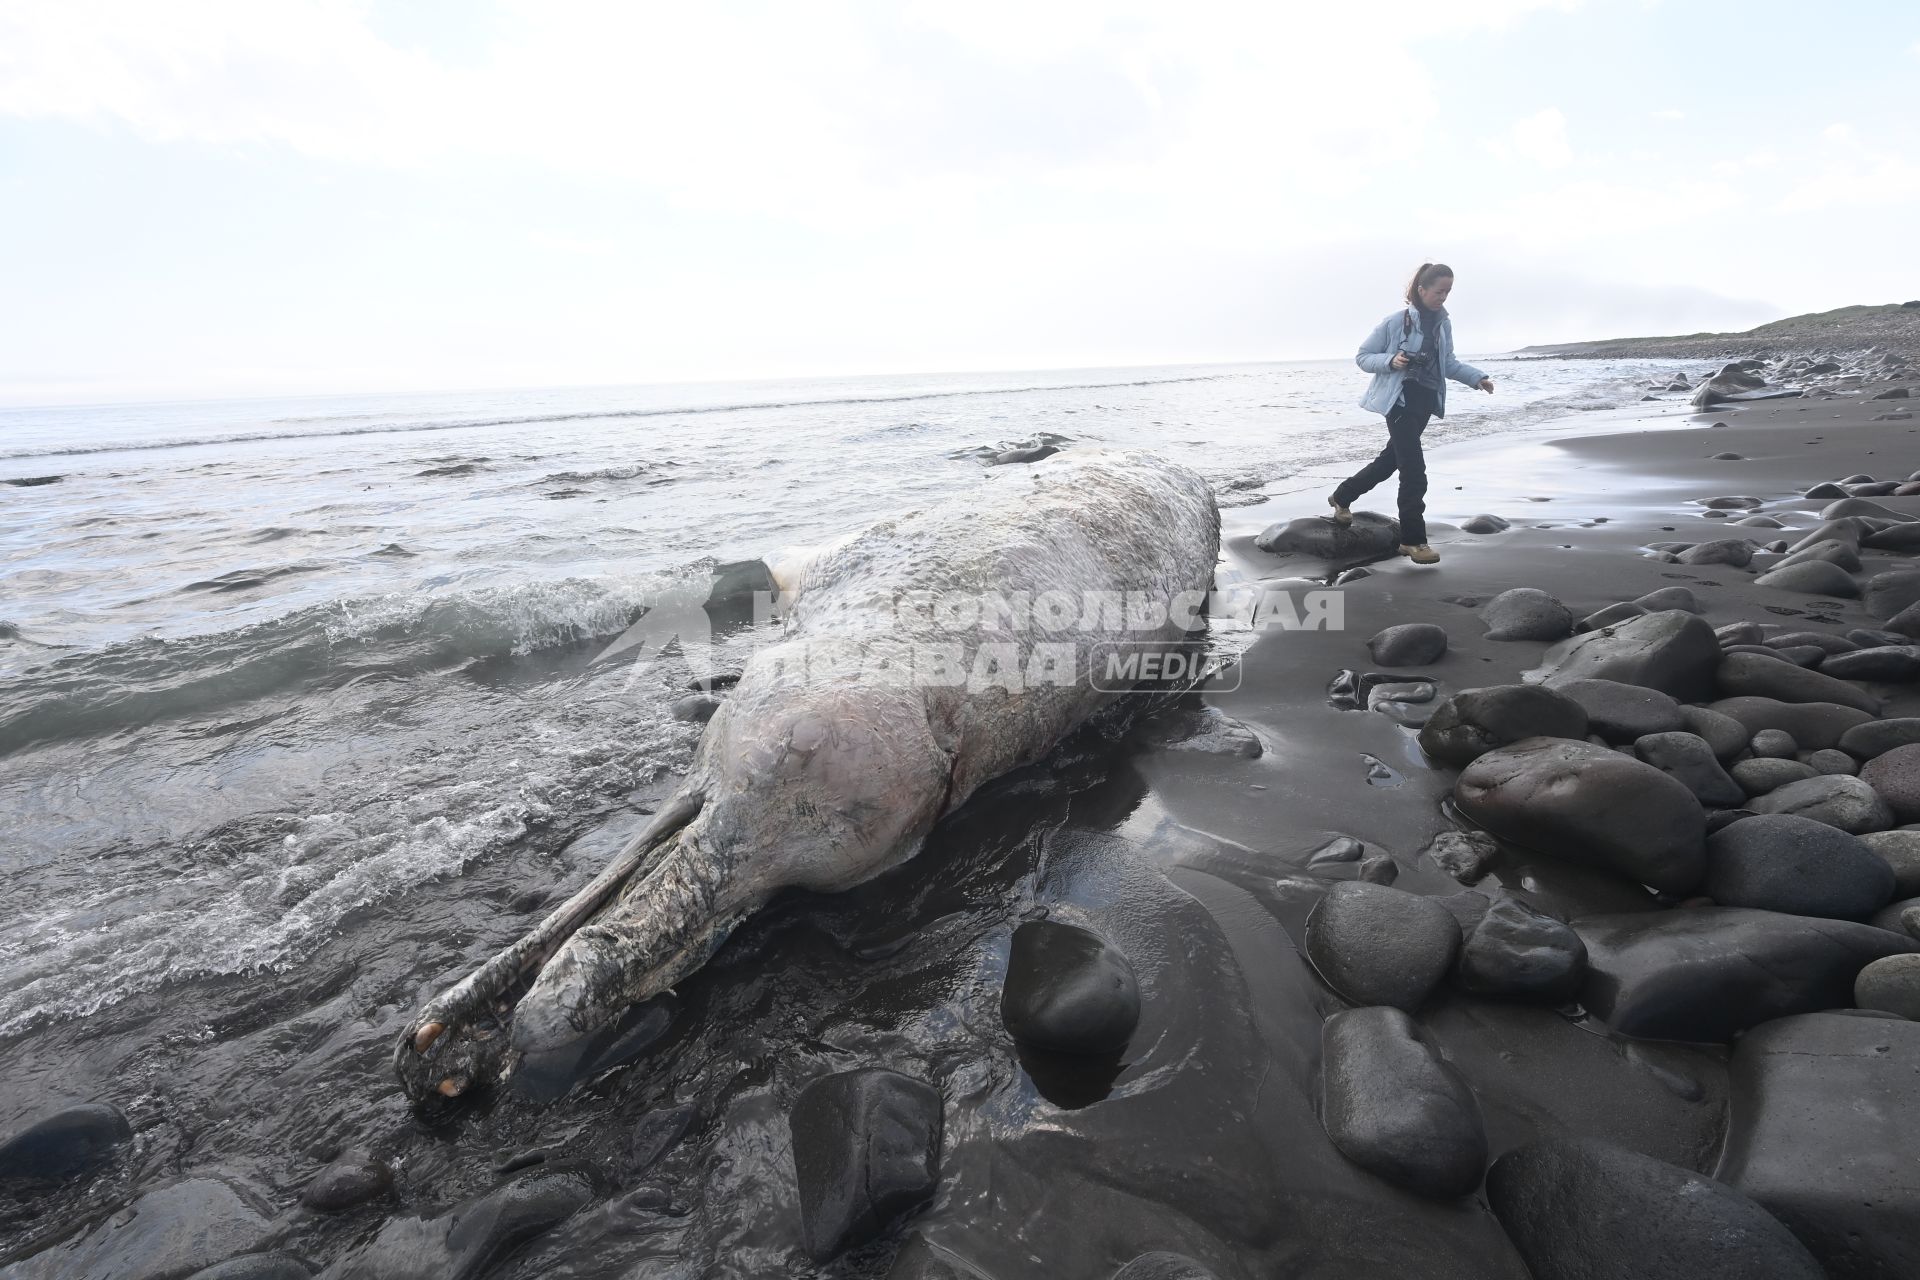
(1410, 355)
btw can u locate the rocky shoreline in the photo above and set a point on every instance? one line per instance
(1557, 915)
(1846, 330)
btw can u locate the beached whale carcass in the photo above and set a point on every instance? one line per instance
(919, 659)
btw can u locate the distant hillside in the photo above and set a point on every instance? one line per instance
(1895, 325)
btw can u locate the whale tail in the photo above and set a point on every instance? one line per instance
(455, 1041)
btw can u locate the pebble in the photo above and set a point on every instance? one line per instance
(1877, 737)
(1068, 990)
(1813, 578)
(1774, 744)
(1727, 736)
(1377, 945)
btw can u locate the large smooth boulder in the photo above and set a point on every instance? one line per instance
(1777, 862)
(1707, 973)
(1814, 725)
(1393, 1106)
(1369, 536)
(1822, 1130)
(866, 1148)
(1895, 777)
(1526, 613)
(1836, 551)
(1673, 651)
(1591, 805)
(1068, 990)
(1378, 945)
(1750, 675)
(1516, 952)
(1581, 1209)
(1838, 800)
(1474, 721)
(1622, 712)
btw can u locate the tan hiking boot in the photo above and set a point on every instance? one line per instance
(1341, 515)
(1422, 554)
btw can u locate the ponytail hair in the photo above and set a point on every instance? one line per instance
(1425, 276)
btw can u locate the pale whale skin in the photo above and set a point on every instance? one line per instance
(828, 764)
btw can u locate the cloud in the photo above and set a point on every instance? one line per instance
(1542, 138)
(1668, 113)
(847, 114)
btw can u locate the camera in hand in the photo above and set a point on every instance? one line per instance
(1417, 358)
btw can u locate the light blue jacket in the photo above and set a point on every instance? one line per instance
(1402, 331)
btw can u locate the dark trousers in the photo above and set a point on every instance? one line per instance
(1405, 422)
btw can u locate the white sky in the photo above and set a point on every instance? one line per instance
(258, 196)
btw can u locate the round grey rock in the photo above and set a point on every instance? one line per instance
(66, 1143)
(1526, 613)
(1832, 760)
(1516, 952)
(1890, 984)
(1411, 644)
(1464, 855)
(1377, 945)
(1764, 773)
(1393, 1106)
(1612, 615)
(1850, 804)
(1774, 744)
(1673, 651)
(1888, 664)
(1778, 862)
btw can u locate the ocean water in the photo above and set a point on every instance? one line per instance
(279, 660)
